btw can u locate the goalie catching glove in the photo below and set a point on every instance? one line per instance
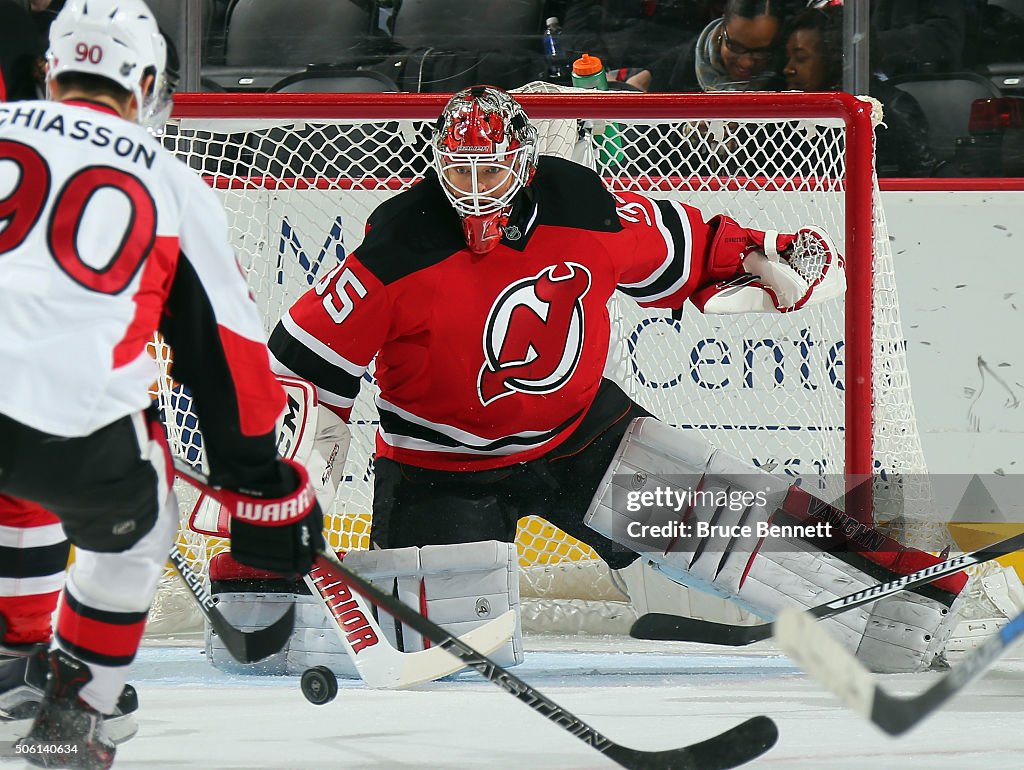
(278, 525)
(783, 272)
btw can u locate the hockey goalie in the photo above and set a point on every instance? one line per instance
(481, 294)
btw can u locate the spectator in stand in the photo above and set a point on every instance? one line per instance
(814, 62)
(629, 34)
(20, 52)
(738, 52)
(915, 36)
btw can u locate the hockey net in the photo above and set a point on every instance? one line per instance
(815, 393)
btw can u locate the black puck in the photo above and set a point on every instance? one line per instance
(319, 685)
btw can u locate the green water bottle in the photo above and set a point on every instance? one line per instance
(588, 72)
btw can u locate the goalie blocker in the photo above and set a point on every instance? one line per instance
(712, 522)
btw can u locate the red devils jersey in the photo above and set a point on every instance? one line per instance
(484, 361)
(107, 239)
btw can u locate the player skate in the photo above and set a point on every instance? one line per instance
(23, 678)
(68, 722)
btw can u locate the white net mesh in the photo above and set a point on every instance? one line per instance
(769, 388)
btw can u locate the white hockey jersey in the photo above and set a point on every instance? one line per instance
(108, 238)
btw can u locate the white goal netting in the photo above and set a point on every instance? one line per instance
(815, 393)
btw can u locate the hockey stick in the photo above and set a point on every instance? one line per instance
(732, 748)
(663, 627)
(825, 659)
(244, 646)
(378, 663)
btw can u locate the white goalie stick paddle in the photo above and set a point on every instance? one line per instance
(825, 659)
(663, 627)
(379, 664)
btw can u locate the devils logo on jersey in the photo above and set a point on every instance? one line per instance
(533, 337)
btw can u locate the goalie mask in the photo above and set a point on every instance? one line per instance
(485, 152)
(118, 40)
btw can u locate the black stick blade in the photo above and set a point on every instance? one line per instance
(673, 628)
(251, 646)
(244, 646)
(734, 747)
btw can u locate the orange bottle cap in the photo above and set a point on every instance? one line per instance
(587, 65)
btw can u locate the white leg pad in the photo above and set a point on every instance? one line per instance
(312, 643)
(711, 551)
(460, 587)
(997, 596)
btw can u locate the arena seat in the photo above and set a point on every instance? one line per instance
(461, 24)
(330, 80)
(294, 32)
(946, 101)
(170, 15)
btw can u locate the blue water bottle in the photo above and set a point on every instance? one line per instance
(558, 66)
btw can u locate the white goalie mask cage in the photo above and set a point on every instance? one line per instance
(479, 129)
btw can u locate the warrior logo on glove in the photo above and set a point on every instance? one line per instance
(277, 511)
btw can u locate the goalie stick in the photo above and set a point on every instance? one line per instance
(825, 659)
(378, 663)
(734, 747)
(662, 627)
(244, 646)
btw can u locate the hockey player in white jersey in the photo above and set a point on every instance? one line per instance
(108, 239)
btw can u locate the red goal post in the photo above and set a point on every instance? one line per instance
(819, 392)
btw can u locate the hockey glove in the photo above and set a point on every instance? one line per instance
(769, 272)
(274, 529)
(791, 268)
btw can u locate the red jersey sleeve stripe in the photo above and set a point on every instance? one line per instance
(260, 397)
(149, 300)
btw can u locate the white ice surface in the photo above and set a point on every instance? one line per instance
(645, 695)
